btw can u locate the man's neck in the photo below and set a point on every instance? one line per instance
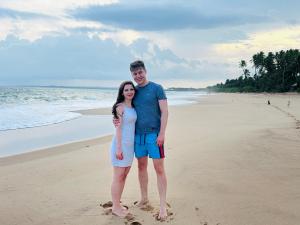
(144, 84)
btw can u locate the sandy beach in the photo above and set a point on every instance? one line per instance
(231, 159)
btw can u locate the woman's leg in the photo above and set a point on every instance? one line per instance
(126, 171)
(117, 187)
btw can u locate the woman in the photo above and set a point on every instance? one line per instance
(122, 149)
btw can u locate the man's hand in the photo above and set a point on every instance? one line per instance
(119, 155)
(160, 139)
(116, 122)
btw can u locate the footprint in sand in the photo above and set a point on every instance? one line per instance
(147, 208)
(128, 218)
(106, 205)
(135, 223)
(108, 211)
(136, 203)
(110, 204)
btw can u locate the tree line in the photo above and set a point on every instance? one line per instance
(274, 72)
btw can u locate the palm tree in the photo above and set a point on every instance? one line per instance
(260, 59)
(243, 65)
(254, 60)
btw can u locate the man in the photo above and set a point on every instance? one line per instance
(151, 105)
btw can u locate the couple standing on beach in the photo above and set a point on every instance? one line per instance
(140, 117)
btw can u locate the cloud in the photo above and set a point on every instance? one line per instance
(125, 37)
(270, 40)
(51, 8)
(35, 28)
(78, 57)
(156, 17)
(84, 40)
(10, 13)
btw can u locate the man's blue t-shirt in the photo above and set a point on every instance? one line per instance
(147, 108)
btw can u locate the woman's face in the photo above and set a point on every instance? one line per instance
(128, 92)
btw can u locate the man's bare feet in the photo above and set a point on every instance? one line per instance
(163, 214)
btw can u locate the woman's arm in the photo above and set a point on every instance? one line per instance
(119, 153)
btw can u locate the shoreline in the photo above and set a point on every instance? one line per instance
(86, 127)
(95, 111)
(54, 107)
(105, 111)
(53, 150)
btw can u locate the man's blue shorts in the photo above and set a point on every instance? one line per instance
(145, 145)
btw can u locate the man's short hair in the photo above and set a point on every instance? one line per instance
(136, 65)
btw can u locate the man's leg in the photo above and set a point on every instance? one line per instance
(162, 186)
(143, 179)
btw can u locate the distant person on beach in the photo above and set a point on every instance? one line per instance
(269, 103)
(152, 114)
(122, 148)
(289, 103)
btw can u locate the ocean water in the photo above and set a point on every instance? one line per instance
(27, 107)
(25, 112)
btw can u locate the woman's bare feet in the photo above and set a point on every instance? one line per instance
(121, 211)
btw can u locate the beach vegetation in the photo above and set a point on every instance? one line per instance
(271, 72)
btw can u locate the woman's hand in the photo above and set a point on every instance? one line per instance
(119, 154)
(116, 122)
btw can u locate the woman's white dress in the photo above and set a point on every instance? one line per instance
(128, 130)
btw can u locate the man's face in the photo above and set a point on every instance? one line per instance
(139, 76)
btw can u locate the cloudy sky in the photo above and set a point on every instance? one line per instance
(183, 43)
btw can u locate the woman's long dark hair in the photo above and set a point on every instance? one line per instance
(121, 97)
